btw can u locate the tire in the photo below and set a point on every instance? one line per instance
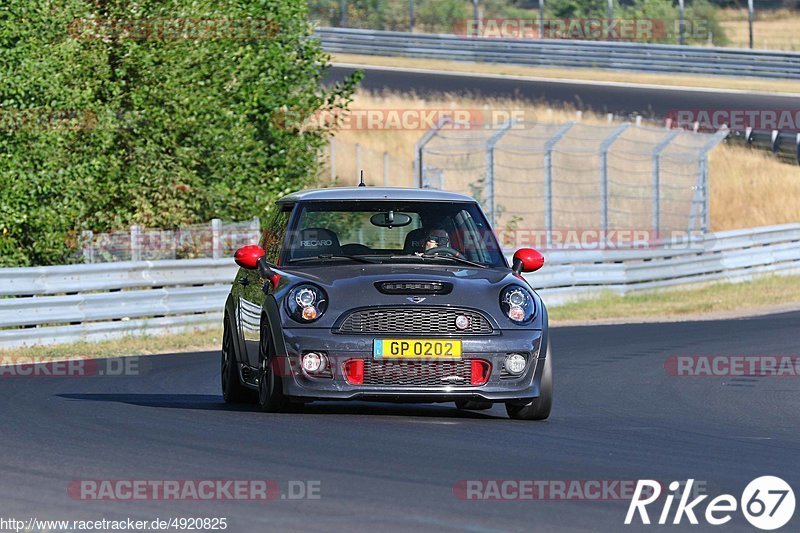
(537, 408)
(232, 389)
(270, 386)
(473, 405)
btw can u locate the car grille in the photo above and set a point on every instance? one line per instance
(417, 373)
(414, 321)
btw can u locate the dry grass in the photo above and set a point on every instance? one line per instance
(675, 80)
(772, 30)
(195, 341)
(748, 187)
(760, 295)
(751, 188)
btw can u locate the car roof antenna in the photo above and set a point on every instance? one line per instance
(361, 183)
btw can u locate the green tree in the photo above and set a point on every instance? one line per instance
(166, 128)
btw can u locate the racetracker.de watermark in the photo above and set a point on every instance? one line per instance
(21, 366)
(784, 120)
(714, 366)
(590, 239)
(586, 29)
(402, 119)
(193, 489)
(34, 120)
(617, 29)
(173, 29)
(551, 489)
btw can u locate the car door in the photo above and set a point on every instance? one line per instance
(251, 294)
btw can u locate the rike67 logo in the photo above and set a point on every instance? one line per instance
(767, 503)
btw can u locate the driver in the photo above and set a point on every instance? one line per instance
(437, 238)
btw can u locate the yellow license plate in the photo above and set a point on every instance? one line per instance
(417, 348)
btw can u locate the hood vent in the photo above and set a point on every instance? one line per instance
(414, 287)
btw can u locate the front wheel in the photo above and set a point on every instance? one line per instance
(270, 387)
(232, 389)
(537, 408)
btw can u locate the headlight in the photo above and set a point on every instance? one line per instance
(306, 303)
(517, 303)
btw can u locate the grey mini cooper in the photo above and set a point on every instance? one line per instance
(385, 294)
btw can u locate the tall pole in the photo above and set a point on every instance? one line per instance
(541, 19)
(343, 18)
(411, 15)
(750, 20)
(610, 17)
(680, 21)
(475, 14)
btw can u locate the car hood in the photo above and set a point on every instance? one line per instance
(351, 286)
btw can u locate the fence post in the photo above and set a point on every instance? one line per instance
(216, 238)
(358, 161)
(702, 187)
(385, 170)
(657, 150)
(419, 149)
(87, 238)
(604, 146)
(548, 180)
(490, 144)
(136, 243)
(333, 161)
(797, 148)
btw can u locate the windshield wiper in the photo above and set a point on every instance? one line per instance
(357, 258)
(442, 256)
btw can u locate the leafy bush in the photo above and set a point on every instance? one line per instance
(162, 132)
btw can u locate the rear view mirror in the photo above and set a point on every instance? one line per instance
(247, 256)
(390, 219)
(527, 260)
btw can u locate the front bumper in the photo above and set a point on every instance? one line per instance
(340, 348)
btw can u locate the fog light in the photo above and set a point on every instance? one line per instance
(309, 313)
(515, 363)
(462, 322)
(314, 362)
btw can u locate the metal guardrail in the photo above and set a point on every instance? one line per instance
(58, 304)
(94, 302)
(639, 57)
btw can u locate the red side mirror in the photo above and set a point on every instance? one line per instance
(248, 256)
(527, 260)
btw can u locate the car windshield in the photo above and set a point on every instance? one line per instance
(392, 232)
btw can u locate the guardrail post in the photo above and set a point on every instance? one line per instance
(776, 141)
(490, 144)
(216, 238)
(136, 243)
(657, 150)
(604, 146)
(548, 180)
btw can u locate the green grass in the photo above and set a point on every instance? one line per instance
(685, 301)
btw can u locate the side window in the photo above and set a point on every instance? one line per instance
(274, 235)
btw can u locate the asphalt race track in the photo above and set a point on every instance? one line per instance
(650, 102)
(618, 416)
